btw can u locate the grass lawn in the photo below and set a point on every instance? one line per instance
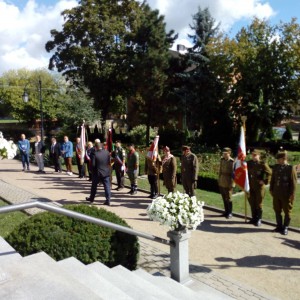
(9, 221)
(214, 199)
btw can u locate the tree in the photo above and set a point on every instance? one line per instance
(150, 62)
(203, 90)
(266, 73)
(94, 45)
(14, 84)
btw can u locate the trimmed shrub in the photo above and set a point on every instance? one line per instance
(62, 237)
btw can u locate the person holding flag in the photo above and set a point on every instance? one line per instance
(240, 168)
(153, 168)
(225, 181)
(80, 164)
(259, 176)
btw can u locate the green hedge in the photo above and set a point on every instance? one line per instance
(62, 237)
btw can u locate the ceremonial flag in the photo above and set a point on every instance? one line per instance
(240, 166)
(82, 144)
(109, 143)
(152, 153)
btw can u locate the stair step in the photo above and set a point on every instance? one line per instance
(94, 281)
(7, 252)
(37, 277)
(148, 287)
(169, 285)
(130, 288)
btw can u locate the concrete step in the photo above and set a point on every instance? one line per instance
(37, 277)
(177, 290)
(148, 287)
(130, 288)
(95, 282)
(7, 252)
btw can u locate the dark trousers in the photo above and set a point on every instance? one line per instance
(120, 175)
(81, 168)
(153, 184)
(56, 163)
(106, 183)
(25, 160)
(188, 186)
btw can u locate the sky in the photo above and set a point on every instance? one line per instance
(25, 24)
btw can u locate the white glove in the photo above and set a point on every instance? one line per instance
(135, 172)
(122, 168)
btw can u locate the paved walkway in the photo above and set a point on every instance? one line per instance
(237, 259)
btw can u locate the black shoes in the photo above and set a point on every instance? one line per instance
(258, 223)
(154, 196)
(229, 216)
(89, 199)
(277, 229)
(106, 203)
(285, 231)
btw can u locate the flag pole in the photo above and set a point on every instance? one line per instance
(244, 119)
(158, 173)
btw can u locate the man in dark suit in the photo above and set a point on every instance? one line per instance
(55, 154)
(100, 172)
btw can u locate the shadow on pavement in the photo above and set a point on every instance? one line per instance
(290, 243)
(227, 226)
(262, 261)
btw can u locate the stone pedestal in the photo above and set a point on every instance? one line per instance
(179, 255)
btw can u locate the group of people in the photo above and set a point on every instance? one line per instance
(282, 180)
(99, 164)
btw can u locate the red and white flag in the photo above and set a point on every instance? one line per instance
(240, 166)
(109, 143)
(82, 144)
(153, 150)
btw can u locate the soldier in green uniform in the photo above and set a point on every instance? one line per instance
(259, 175)
(153, 169)
(226, 182)
(282, 188)
(189, 170)
(119, 164)
(169, 170)
(132, 168)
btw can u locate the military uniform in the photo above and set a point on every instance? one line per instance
(226, 183)
(282, 187)
(189, 172)
(119, 166)
(133, 169)
(259, 175)
(169, 169)
(152, 169)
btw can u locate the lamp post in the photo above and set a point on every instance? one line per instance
(25, 98)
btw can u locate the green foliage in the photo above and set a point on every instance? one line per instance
(9, 221)
(138, 134)
(287, 135)
(62, 237)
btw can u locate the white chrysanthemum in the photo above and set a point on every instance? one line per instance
(175, 209)
(7, 149)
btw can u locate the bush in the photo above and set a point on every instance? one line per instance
(138, 134)
(288, 135)
(62, 237)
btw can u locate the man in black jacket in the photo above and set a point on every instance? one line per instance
(55, 154)
(100, 172)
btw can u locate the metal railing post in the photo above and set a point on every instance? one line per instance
(179, 255)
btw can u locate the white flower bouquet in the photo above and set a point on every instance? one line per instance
(177, 210)
(7, 148)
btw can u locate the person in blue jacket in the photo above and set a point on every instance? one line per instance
(67, 153)
(24, 148)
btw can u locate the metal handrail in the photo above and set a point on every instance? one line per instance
(83, 217)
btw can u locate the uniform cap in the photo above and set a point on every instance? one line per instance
(226, 150)
(185, 147)
(281, 154)
(256, 152)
